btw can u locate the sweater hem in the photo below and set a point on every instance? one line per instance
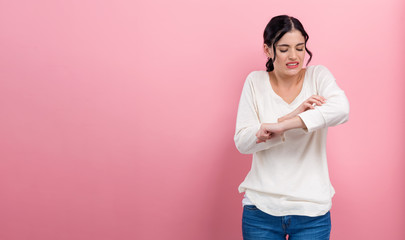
(300, 212)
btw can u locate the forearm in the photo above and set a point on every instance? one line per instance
(286, 117)
(292, 123)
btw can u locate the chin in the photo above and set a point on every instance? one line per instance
(293, 71)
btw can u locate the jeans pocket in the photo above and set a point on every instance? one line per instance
(251, 208)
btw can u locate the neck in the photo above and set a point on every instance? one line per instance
(286, 80)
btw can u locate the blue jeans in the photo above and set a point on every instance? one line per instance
(258, 225)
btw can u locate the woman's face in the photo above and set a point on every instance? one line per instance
(290, 53)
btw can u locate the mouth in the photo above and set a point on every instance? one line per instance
(292, 64)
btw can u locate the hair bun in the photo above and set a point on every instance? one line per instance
(269, 65)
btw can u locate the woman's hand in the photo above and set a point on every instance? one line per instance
(309, 104)
(306, 105)
(269, 130)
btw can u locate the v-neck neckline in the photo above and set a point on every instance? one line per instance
(278, 96)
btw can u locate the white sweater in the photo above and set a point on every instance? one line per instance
(289, 176)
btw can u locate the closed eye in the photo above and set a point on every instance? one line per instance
(285, 50)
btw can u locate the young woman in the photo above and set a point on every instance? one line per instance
(282, 120)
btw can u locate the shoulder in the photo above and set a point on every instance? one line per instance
(317, 69)
(257, 74)
(319, 73)
(257, 77)
(256, 82)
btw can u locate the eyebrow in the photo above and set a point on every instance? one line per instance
(286, 45)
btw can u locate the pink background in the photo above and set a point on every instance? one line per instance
(117, 117)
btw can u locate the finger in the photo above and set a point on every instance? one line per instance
(309, 106)
(263, 138)
(312, 101)
(320, 100)
(315, 101)
(318, 97)
(318, 103)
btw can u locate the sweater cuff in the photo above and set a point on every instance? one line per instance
(313, 120)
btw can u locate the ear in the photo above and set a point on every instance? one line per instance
(268, 51)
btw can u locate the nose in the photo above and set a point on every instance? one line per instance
(293, 54)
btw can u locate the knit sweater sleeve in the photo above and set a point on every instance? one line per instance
(336, 109)
(248, 122)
